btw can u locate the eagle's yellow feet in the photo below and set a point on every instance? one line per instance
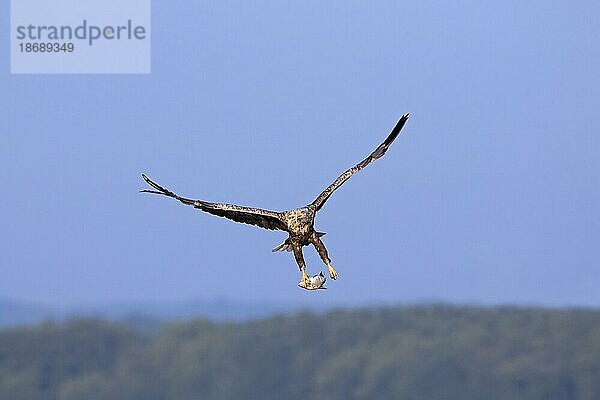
(332, 272)
(305, 279)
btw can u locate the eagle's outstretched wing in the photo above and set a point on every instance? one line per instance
(379, 152)
(253, 216)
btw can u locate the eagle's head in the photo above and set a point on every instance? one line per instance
(316, 282)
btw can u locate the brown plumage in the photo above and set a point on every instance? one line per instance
(299, 223)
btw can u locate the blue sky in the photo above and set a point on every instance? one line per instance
(490, 195)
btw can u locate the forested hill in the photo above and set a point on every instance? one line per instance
(433, 352)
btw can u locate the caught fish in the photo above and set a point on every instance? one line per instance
(316, 282)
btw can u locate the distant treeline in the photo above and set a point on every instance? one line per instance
(427, 352)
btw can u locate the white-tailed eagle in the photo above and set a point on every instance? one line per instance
(299, 223)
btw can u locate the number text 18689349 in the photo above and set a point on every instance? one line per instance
(46, 47)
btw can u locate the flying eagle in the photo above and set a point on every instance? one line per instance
(299, 223)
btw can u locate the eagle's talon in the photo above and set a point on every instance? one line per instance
(305, 279)
(332, 272)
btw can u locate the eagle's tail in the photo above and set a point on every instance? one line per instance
(287, 245)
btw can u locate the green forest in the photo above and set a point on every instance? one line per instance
(421, 352)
